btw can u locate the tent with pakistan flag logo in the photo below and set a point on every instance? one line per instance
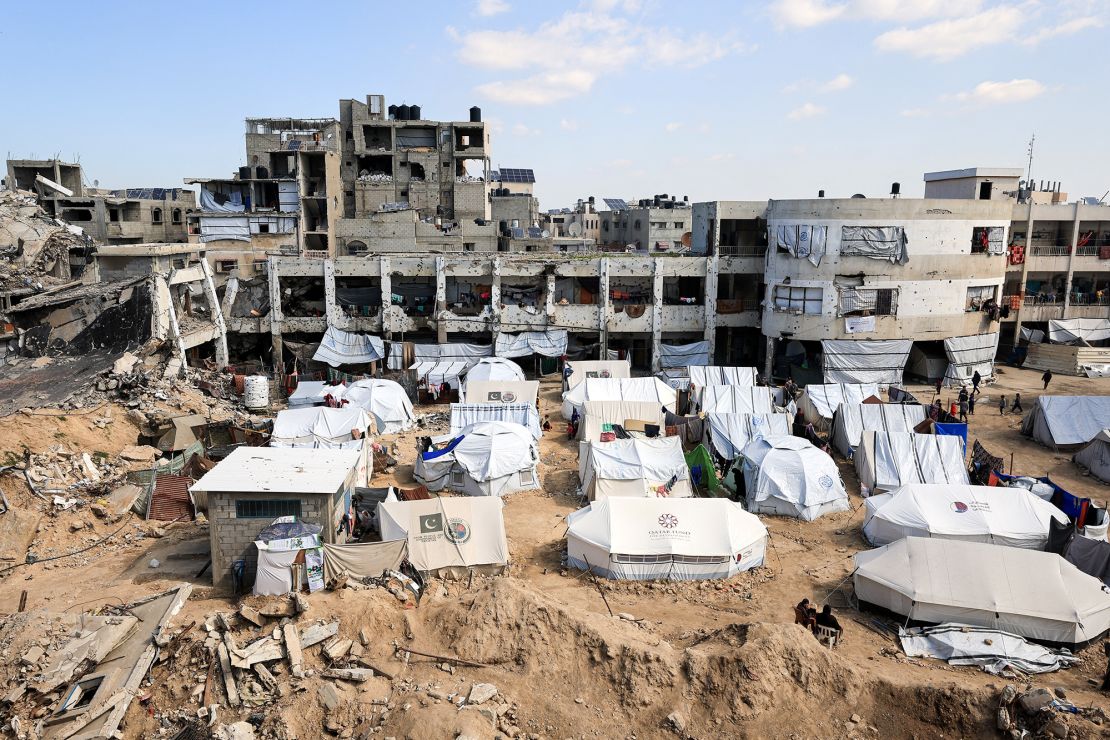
(449, 537)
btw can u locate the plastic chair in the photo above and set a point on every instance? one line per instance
(827, 633)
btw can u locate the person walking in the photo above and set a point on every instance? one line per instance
(963, 410)
(963, 394)
(1047, 378)
(976, 379)
(971, 404)
(1001, 405)
(1016, 408)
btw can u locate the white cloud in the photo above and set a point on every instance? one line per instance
(914, 112)
(1066, 28)
(620, 164)
(565, 56)
(568, 124)
(671, 127)
(838, 83)
(487, 8)
(1014, 91)
(805, 13)
(805, 110)
(948, 39)
(721, 157)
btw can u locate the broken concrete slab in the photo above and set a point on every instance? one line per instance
(481, 693)
(140, 453)
(337, 649)
(357, 675)
(318, 633)
(252, 615)
(125, 364)
(229, 678)
(293, 649)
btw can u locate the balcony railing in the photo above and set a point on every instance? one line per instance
(1041, 251)
(745, 251)
(1057, 299)
(1089, 250)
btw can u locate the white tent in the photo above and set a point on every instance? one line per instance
(597, 415)
(550, 343)
(1034, 594)
(466, 414)
(618, 389)
(635, 467)
(448, 537)
(495, 369)
(438, 372)
(490, 458)
(791, 477)
(682, 355)
(1095, 457)
(502, 391)
(338, 347)
(888, 460)
(307, 393)
(865, 361)
(681, 539)
(819, 402)
(1069, 331)
(706, 375)
(579, 370)
(966, 355)
(729, 434)
(852, 420)
(1001, 515)
(385, 400)
(320, 426)
(1061, 421)
(738, 399)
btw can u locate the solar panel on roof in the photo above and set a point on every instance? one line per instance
(616, 204)
(517, 175)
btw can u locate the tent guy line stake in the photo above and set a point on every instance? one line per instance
(591, 570)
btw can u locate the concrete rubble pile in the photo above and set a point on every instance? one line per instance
(34, 248)
(1038, 712)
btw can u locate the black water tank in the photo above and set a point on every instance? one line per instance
(392, 111)
(244, 173)
(262, 173)
(414, 112)
(475, 114)
(402, 112)
(820, 193)
(895, 188)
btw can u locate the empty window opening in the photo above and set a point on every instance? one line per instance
(375, 168)
(81, 695)
(978, 295)
(267, 508)
(467, 137)
(358, 296)
(156, 215)
(416, 137)
(377, 138)
(682, 291)
(76, 214)
(113, 215)
(793, 299)
(176, 215)
(416, 171)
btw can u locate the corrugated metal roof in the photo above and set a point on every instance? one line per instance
(280, 470)
(171, 499)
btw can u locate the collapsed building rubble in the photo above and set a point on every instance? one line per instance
(37, 251)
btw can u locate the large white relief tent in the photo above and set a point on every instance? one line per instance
(790, 477)
(320, 426)
(888, 460)
(490, 458)
(385, 400)
(730, 433)
(448, 537)
(819, 402)
(1064, 421)
(681, 539)
(635, 467)
(738, 399)
(618, 389)
(577, 371)
(852, 420)
(968, 355)
(865, 360)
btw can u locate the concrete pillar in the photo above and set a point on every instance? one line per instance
(603, 308)
(441, 300)
(495, 299)
(275, 311)
(217, 314)
(1024, 272)
(769, 360)
(712, 264)
(384, 267)
(334, 316)
(657, 315)
(1071, 261)
(549, 302)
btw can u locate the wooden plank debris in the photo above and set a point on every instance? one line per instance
(229, 679)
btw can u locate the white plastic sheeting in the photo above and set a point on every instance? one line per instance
(706, 375)
(790, 477)
(865, 360)
(495, 368)
(466, 414)
(738, 399)
(1095, 457)
(216, 228)
(819, 402)
(852, 420)
(467, 353)
(680, 539)
(875, 242)
(320, 426)
(448, 536)
(307, 393)
(731, 433)
(1001, 515)
(1060, 421)
(550, 343)
(579, 370)
(489, 458)
(635, 467)
(338, 347)
(502, 391)
(618, 389)
(1076, 331)
(438, 373)
(968, 354)
(288, 199)
(1037, 595)
(209, 204)
(801, 241)
(889, 460)
(385, 400)
(683, 355)
(599, 414)
(992, 650)
(929, 366)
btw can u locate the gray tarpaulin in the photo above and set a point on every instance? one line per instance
(803, 242)
(550, 343)
(403, 355)
(1095, 457)
(1090, 556)
(288, 200)
(865, 360)
(681, 355)
(273, 224)
(209, 203)
(339, 347)
(218, 228)
(992, 650)
(968, 354)
(1057, 421)
(1078, 331)
(363, 559)
(1033, 336)
(876, 242)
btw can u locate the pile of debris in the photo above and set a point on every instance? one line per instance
(34, 247)
(1043, 713)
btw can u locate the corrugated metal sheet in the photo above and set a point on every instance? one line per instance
(171, 499)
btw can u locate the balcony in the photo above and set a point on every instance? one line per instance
(683, 318)
(744, 251)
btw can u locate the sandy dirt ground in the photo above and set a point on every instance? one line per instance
(724, 655)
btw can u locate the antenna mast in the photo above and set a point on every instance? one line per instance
(1029, 169)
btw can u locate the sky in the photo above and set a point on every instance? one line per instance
(716, 100)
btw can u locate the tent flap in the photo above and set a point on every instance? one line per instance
(550, 343)
(865, 360)
(338, 347)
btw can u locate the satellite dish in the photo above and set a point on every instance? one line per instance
(574, 229)
(687, 238)
(544, 234)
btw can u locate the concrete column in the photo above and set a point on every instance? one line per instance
(1071, 261)
(441, 300)
(549, 302)
(217, 314)
(1024, 272)
(331, 307)
(712, 263)
(603, 308)
(495, 299)
(275, 311)
(657, 315)
(384, 267)
(769, 361)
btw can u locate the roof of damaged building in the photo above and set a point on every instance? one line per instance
(280, 470)
(153, 249)
(73, 292)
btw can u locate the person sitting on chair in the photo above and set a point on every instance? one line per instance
(826, 619)
(805, 614)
